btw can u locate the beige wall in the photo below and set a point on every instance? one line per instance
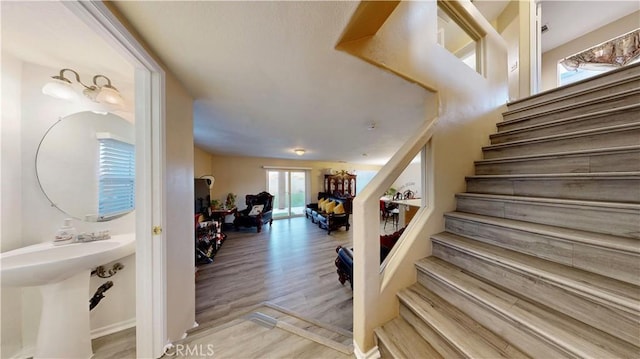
(178, 181)
(550, 58)
(508, 25)
(201, 162)
(246, 175)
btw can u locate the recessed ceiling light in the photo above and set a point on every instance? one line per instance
(299, 151)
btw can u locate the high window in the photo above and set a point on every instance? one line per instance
(459, 35)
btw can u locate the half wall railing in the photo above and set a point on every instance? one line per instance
(375, 285)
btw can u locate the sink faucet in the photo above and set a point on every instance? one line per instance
(93, 236)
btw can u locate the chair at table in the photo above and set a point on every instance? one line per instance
(258, 212)
(392, 211)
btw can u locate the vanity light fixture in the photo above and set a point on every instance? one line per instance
(299, 151)
(60, 87)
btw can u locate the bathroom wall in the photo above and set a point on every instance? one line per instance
(36, 220)
(10, 188)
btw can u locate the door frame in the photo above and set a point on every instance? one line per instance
(151, 291)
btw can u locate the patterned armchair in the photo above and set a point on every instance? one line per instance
(258, 212)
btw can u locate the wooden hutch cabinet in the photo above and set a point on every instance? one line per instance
(341, 183)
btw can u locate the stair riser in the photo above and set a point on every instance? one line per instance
(616, 264)
(384, 350)
(595, 219)
(616, 138)
(619, 118)
(587, 163)
(589, 189)
(599, 86)
(510, 330)
(610, 320)
(427, 332)
(535, 116)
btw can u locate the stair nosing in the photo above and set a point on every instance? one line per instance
(596, 294)
(563, 121)
(600, 99)
(572, 203)
(520, 319)
(632, 77)
(559, 176)
(576, 153)
(559, 233)
(564, 136)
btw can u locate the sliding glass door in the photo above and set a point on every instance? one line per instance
(289, 188)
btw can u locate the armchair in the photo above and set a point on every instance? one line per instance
(258, 212)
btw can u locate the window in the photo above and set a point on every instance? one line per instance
(116, 179)
(458, 34)
(609, 55)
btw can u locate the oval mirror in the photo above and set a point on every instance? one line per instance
(85, 166)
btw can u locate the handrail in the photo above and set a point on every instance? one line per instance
(366, 232)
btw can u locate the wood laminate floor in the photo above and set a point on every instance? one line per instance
(290, 265)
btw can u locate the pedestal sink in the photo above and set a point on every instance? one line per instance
(62, 273)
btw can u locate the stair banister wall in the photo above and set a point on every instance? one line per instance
(366, 228)
(468, 107)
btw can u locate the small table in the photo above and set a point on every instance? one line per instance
(220, 213)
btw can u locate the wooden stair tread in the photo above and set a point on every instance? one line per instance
(605, 290)
(462, 332)
(567, 135)
(566, 334)
(591, 238)
(559, 176)
(631, 77)
(569, 106)
(562, 121)
(554, 201)
(403, 341)
(597, 151)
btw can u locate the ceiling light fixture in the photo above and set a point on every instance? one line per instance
(299, 151)
(60, 87)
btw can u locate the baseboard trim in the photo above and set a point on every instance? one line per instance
(27, 352)
(113, 328)
(373, 353)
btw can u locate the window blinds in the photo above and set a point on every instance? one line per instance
(116, 188)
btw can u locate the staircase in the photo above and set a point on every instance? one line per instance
(541, 259)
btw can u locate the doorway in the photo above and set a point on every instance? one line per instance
(289, 190)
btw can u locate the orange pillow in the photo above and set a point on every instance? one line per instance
(339, 209)
(321, 204)
(329, 207)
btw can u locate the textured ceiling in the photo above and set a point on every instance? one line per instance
(266, 79)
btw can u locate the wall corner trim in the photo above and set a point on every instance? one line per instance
(373, 353)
